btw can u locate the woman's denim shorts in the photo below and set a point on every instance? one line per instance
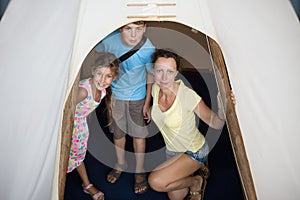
(199, 156)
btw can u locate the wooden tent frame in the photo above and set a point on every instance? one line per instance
(232, 124)
(66, 139)
(234, 130)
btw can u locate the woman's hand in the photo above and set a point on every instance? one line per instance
(221, 114)
(232, 97)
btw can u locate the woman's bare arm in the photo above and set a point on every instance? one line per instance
(208, 116)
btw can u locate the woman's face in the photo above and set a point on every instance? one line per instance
(165, 72)
(102, 77)
(132, 34)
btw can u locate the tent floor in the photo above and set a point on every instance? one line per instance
(224, 182)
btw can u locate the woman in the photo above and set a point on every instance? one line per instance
(173, 111)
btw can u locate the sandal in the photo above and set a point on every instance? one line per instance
(94, 196)
(142, 184)
(116, 173)
(200, 192)
(204, 171)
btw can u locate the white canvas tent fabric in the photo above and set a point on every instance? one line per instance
(43, 44)
(36, 43)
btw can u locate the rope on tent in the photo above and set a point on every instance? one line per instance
(151, 16)
(148, 4)
(153, 10)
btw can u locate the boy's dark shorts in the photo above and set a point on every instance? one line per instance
(128, 119)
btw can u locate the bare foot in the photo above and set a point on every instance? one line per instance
(195, 189)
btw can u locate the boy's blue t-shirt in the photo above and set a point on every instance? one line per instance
(131, 83)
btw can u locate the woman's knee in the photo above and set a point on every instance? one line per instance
(178, 194)
(156, 182)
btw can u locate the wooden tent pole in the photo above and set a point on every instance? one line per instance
(66, 138)
(232, 122)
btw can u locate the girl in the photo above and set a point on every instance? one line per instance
(90, 93)
(174, 109)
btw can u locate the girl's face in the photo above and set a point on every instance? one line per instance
(103, 77)
(132, 34)
(165, 72)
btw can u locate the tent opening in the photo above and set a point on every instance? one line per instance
(204, 70)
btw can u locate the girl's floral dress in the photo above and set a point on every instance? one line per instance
(80, 131)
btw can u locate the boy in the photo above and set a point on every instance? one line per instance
(131, 97)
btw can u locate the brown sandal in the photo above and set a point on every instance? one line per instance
(141, 184)
(117, 171)
(204, 173)
(200, 192)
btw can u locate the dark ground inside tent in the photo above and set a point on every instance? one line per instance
(223, 184)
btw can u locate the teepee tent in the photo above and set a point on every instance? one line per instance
(44, 43)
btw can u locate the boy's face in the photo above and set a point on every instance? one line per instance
(131, 34)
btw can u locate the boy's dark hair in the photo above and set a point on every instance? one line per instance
(136, 23)
(139, 22)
